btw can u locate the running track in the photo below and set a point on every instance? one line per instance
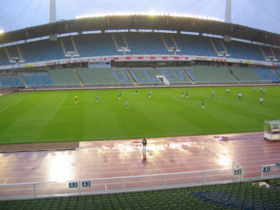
(100, 159)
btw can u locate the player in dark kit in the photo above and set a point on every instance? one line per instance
(144, 143)
(202, 104)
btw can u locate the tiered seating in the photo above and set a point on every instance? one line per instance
(244, 50)
(3, 58)
(278, 73)
(267, 51)
(37, 79)
(44, 50)
(245, 75)
(10, 81)
(145, 76)
(146, 43)
(174, 75)
(266, 74)
(68, 44)
(13, 51)
(210, 74)
(64, 77)
(101, 77)
(119, 40)
(277, 53)
(96, 45)
(168, 40)
(140, 43)
(218, 45)
(229, 196)
(194, 45)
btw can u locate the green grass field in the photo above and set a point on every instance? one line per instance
(53, 116)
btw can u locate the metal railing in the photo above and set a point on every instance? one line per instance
(119, 184)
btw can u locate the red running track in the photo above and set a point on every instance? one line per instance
(100, 159)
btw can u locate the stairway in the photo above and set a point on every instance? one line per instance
(164, 42)
(62, 46)
(74, 45)
(125, 42)
(224, 47)
(131, 77)
(23, 80)
(276, 73)
(175, 43)
(213, 45)
(233, 75)
(262, 52)
(79, 78)
(7, 53)
(188, 76)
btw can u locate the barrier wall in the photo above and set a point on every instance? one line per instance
(119, 184)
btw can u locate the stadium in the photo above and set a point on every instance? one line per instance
(139, 110)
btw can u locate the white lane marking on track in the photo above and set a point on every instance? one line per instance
(58, 107)
(6, 107)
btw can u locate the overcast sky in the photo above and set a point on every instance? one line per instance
(261, 14)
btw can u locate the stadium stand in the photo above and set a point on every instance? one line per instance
(96, 45)
(267, 51)
(277, 53)
(10, 81)
(278, 73)
(13, 51)
(119, 41)
(218, 45)
(3, 57)
(64, 77)
(174, 75)
(101, 77)
(37, 79)
(146, 43)
(203, 74)
(145, 76)
(266, 74)
(44, 50)
(140, 43)
(244, 50)
(243, 195)
(148, 76)
(68, 44)
(245, 75)
(169, 42)
(194, 45)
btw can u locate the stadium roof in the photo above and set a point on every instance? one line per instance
(143, 22)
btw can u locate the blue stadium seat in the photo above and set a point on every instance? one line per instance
(96, 45)
(244, 50)
(44, 50)
(194, 45)
(3, 58)
(37, 79)
(266, 74)
(10, 81)
(146, 43)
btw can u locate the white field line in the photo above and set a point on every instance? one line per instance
(57, 108)
(6, 107)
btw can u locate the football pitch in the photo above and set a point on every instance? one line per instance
(54, 116)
